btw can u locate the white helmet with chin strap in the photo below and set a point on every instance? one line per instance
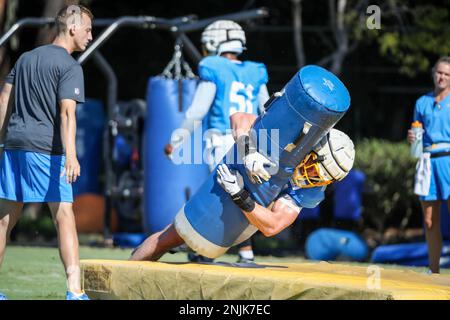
(223, 36)
(331, 160)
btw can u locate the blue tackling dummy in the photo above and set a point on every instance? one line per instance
(294, 121)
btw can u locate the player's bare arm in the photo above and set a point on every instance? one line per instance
(269, 221)
(272, 221)
(68, 133)
(5, 109)
(255, 163)
(241, 123)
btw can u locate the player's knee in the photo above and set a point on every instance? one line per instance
(63, 216)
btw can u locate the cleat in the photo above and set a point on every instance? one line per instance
(244, 260)
(74, 296)
(192, 257)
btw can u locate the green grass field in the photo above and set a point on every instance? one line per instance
(35, 273)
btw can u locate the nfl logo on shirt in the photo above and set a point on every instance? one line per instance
(77, 91)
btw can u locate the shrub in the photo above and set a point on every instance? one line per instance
(389, 170)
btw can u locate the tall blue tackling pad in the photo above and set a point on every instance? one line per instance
(294, 121)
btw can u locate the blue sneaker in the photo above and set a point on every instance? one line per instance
(3, 297)
(74, 296)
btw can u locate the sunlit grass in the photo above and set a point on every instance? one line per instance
(34, 273)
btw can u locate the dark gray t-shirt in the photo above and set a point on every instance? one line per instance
(42, 78)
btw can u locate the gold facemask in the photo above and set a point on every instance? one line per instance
(308, 173)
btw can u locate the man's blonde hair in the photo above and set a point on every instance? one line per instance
(68, 15)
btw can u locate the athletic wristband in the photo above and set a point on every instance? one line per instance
(244, 201)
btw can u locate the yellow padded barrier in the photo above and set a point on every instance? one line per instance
(112, 279)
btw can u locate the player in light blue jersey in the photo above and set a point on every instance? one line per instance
(227, 85)
(237, 87)
(331, 160)
(433, 111)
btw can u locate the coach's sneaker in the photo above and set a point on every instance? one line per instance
(3, 297)
(76, 296)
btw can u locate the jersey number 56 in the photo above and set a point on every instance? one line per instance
(241, 97)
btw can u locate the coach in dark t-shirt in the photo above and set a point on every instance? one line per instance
(38, 159)
(48, 74)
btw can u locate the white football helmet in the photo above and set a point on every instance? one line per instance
(331, 160)
(223, 36)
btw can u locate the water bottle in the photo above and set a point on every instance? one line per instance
(417, 145)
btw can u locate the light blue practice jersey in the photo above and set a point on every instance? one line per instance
(305, 197)
(435, 118)
(238, 85)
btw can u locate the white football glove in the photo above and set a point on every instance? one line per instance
(231, 181)
(255, 164)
